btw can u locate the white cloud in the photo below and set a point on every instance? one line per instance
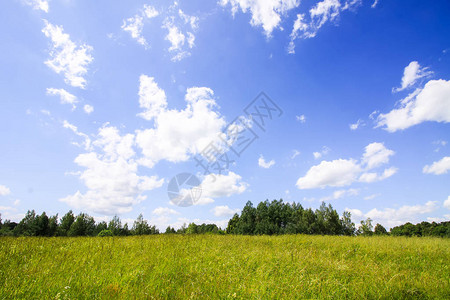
(265, 164)
(325, 150)
(180, 28)
(324, 11)
(447, 203)
(342, 172)
(301, 118)
(432, 103)
(407, 213)
(174, 36)
(374, 4)
(37, 4)
(355, 212)
(438, 167)
(177, 134)
(191, 20)
(64, 96)
(265, 13)
(4, 190)
(110, 175)
(151, 98)
(88, 109)
(224, 210)
(87, 141)
(66, 57)
(357, 124)
(411, 74)
(334, 173)
(373, 177)
(376, 154)
(221, 185)
(341, 194)
(135, 25)
(160, 211)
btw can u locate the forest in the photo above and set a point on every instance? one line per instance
(267, 218)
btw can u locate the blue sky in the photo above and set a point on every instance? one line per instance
(103, 102)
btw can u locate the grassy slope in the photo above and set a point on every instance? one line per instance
(206, 266)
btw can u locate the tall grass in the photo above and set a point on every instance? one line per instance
(212, 266)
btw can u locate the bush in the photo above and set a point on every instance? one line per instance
(105, 232)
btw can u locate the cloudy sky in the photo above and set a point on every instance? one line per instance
(104, 102)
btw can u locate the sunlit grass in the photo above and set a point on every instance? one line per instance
(213, 266)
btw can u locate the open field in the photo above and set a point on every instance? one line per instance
(213, 266)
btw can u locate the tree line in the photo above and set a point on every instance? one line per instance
(267, 218)
(278, 217)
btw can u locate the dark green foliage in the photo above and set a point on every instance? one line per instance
(277, 217)
(105, 232)
(170, 230)
(423, 229)
(141, 227)
(66, 221)
(84, 225)
(268, 218)
(380, 230)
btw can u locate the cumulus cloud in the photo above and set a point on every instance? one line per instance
(37, 4)
(110, 175)
(432, 103)
(447, 203)
(224, 210)
(334, 173)
(4, 190)
(265, 164)
(221, 185)
(66, 57)
(438, 167)
(407, 213)
(376, 154)
(411, 74)
(151, 98)
(88, 109)
(135, 24)
(395, 216)
(177, 134)
(323, 12)
(342, 172)
(64, 96)
(373, 177)
(265, 13)
(160, 211)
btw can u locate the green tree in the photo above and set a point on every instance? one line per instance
(348, 227)
(140, 226)
(84, 225)
(380, 230)
(115, 225)
(366, 227)
(66, 222)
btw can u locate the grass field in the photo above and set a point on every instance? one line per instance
(213, 266)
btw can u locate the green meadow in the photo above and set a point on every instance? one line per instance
(170, 266)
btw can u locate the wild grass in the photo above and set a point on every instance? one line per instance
(222, 267)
